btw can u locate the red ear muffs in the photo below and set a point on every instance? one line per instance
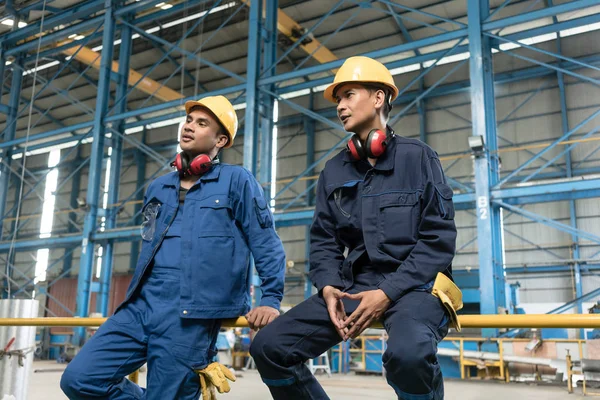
(355, 148)
(376, 143)
(374, 147)
(199, 166)
(181, 163)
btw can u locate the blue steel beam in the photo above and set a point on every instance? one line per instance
(166, 53)
(538, 14)
(568, 161)
(115, 172)
(268, 102)
(71, 14)
(74, 194)
(140, 161)
(483, 111)
(252, 93)
(95, 172)
(550, 222)
(252, 118)
(9, 134)
(188, 54)
(564, 137)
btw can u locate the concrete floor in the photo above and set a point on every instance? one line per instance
(44, 386)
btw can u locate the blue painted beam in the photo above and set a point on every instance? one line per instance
(9, 135)
(95, 173)
(483, 111)
(79, 11)
(538, 14)
(115, 173)
(140, 161)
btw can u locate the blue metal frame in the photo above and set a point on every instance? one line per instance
(263, 83)
(97, 155)
(115, 173)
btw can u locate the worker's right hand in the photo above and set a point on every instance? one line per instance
(335, 307)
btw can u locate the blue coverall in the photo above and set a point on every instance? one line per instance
(396, 220)
(193, 271)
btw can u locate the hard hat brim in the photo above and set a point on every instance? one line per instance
(329, 92)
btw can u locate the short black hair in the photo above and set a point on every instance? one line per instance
(387, 105)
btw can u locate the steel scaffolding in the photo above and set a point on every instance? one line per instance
(268, 77)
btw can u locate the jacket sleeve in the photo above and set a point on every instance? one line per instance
(326, 254)
(254, 216)
(436, 242)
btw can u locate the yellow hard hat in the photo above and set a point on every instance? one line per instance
(362, 69)
(222, 109)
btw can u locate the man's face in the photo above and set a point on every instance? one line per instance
(201, 132)
(356, 106)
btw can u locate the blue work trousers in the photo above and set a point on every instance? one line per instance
(415, 324)
(147, 329)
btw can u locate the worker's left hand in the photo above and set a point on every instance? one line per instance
(260, 317)
(373, 303)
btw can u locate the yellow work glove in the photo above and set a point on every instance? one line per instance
(450, 296)
(214, 377)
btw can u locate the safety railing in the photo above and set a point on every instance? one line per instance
(467, 321)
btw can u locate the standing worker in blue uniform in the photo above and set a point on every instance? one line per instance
(201, 224)
(385, 200)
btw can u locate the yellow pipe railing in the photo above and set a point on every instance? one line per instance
(467, 321)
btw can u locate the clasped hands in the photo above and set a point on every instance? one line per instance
(373, 303)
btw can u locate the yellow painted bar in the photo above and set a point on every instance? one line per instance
(146, 85)
(467, 321)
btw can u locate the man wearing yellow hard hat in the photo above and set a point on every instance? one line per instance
(384, 199)
(201, 224)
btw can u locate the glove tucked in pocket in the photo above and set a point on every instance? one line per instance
(214, 378)
(450, 296)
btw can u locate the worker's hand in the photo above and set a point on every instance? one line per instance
(335, 307)
(260, 317)
(373, 303)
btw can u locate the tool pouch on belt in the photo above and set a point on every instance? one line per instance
(214, 378)
(450, 296)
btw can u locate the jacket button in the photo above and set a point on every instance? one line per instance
(184, 312)
(217, 201)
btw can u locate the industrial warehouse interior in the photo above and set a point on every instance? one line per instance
(94, 121)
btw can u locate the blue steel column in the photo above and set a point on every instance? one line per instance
(115, 172)
(9, 134)
(253, 105)
(95, 171)
(252, 95)
(2, 69)
(267, 104)
(572, 206)
(309, 129)
(140, 161)
(75, 189)
(489, 228)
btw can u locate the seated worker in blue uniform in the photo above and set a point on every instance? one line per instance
(385, 200)
(202, 224)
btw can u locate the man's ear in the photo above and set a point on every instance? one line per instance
(379, 99)
(222, 140)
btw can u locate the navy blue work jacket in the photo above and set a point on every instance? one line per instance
(397, 217)
(225, 219)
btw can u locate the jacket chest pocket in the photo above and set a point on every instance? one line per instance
(399, 218)
(344, 201)
(214, 215)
